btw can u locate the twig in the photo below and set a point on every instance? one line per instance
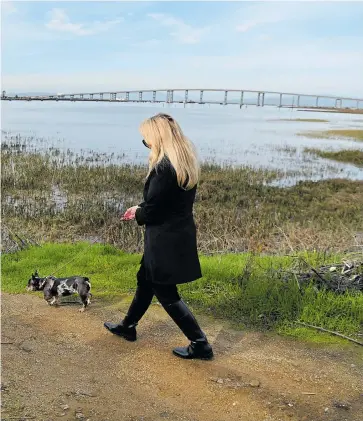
(330, 331)
(6, 343)
(19, 418)
(314, 270)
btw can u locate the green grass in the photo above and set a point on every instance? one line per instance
(244, 288)
(354, 157)
(353, 134)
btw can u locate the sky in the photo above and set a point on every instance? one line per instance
(69, 46)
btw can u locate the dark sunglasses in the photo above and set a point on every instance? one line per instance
(166, 116)
(145, 144)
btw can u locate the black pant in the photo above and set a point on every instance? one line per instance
(166, 294)
(169, 298)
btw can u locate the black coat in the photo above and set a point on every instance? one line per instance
(170, 243)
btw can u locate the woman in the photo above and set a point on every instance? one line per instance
(170, 249)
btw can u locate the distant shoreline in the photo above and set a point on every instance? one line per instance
(331, 110)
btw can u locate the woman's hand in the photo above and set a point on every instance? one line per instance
(129, 215)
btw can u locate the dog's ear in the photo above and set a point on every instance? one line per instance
(36, 273)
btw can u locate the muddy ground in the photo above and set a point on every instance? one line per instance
(59, 364)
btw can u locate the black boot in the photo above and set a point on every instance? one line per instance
(127, 327)
(183, 317)
(128, 332)
(197, 349)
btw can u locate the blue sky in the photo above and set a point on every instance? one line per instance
(307, 47)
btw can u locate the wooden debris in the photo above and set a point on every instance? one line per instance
(331, 332)
(340, 278)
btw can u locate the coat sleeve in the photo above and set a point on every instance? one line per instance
(153, 210)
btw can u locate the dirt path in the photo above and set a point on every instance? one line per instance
(59, 364)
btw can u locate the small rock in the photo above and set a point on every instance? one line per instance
(79, 415)
(234, 403)
(255, 383)
(326, 410)
(290, 405)
(26, 347)
(220, 381)
(3, 387)
(342, 405)
(65, 407)
(352, 365)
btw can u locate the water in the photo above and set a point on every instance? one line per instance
(253, 136)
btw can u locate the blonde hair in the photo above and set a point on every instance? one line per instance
(166, 138)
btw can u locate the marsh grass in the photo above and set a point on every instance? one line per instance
(352, 134)
(304, 120)
(247, 289)
(354, 157)
(59, 196)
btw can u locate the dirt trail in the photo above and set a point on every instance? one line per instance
(59, 364)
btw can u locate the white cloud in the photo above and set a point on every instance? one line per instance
(8, 7)
(260, 14)
(59, 21)
(182, 32)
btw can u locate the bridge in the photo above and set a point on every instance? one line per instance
(219, 96)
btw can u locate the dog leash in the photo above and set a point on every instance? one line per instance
(73, 258)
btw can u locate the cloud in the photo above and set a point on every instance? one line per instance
(182, 32)
(8, 7)
(59, 21)
(259, 14)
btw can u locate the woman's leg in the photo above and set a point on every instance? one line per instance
(140, 303)
(169, 298)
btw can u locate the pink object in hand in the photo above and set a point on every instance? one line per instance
(129, 214)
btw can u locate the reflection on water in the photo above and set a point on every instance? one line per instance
(258, 137)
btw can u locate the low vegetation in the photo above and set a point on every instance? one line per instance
(353, 134)
(249, 289)
(332, 110)
(56, 196)
(354, 157)
(306, 120)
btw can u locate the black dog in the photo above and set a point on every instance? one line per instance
(55, 288)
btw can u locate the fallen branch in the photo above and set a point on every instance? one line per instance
(314, 270)
(330, 331)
